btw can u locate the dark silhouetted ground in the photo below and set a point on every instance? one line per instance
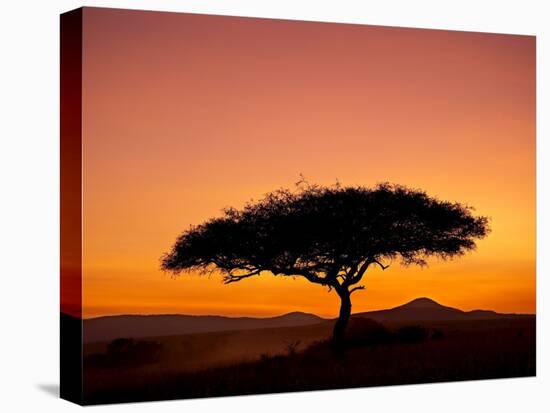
(298, 358)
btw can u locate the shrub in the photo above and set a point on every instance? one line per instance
(292, 347)
(366, 332)
(410, 334)
(437, 335)
(130, 352)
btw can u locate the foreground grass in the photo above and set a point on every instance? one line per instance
(451, 351)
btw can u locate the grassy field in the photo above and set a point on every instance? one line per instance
(299, 359)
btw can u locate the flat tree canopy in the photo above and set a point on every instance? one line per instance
(328, 235)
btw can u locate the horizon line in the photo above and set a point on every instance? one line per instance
(287, 313)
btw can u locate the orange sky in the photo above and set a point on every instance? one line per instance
(186, 114)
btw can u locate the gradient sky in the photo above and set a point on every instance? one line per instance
(187, 114)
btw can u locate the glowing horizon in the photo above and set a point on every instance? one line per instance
(187, 114)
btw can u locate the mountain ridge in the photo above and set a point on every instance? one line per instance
(427, 309)
(106, 328)
(285, 315)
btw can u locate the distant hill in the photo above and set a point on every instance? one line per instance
(103, 329)
(426, 309)
(136, 326)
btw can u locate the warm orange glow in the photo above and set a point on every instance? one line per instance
(186, 114)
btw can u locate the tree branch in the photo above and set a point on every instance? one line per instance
(352, 270)
(359, 287)
(359, 274)
(230, 278)
(293, 271)
(362, 269)
(380, 264)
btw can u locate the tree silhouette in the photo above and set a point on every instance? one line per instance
(329, 236)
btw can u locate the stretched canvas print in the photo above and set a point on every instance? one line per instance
(259, 206)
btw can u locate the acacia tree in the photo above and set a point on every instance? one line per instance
(330, 236)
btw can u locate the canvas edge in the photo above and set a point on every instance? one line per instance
(71, 206)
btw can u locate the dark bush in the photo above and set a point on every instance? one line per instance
(437, 335)
(411, 334)
(366, 332)
(292, 348)
(120, 346)
(130, 352)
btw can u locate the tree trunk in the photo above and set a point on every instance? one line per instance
(343, 318)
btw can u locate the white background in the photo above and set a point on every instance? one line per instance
(29, 206)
